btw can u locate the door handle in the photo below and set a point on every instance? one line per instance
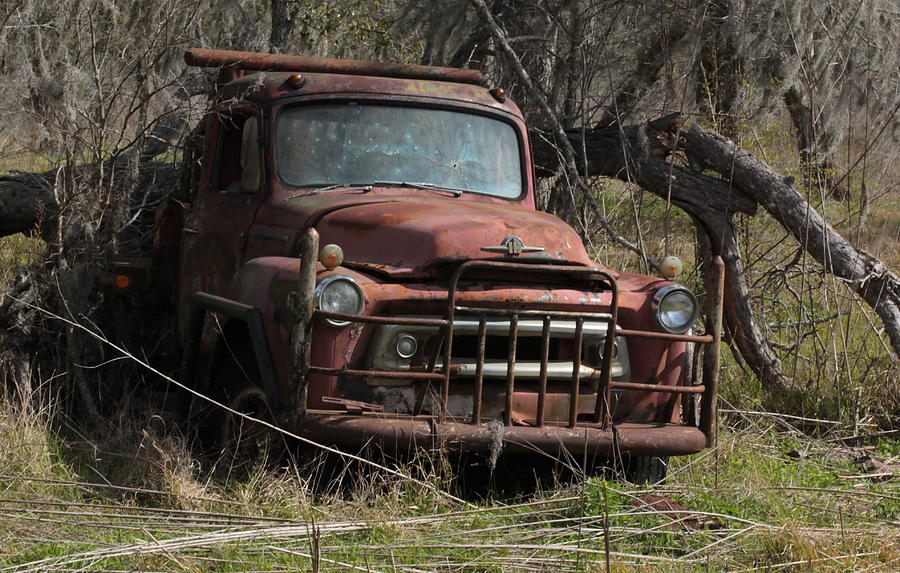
(190, 231)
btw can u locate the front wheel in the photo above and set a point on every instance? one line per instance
(248, 441)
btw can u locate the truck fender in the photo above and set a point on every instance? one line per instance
(203, 303)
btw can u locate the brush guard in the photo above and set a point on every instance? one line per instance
(599, 436)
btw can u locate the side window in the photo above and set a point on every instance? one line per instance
(238, 159)
(193, 155)
(250, 172)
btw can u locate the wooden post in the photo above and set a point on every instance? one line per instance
(711, 358)
(302, 303)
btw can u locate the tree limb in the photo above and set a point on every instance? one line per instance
(644, 161)
(863, 273)
(710, 201)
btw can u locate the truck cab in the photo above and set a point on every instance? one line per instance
(362, 261)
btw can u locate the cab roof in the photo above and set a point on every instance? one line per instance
(251, 76)
(264, 87)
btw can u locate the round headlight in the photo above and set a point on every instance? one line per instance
(676, 308)
(337, 293)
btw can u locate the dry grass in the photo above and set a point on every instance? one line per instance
(768, 497)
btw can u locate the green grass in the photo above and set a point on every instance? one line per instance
(766, 497)
(17, 251)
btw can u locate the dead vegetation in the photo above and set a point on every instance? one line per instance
(768, 496)
(95, 474)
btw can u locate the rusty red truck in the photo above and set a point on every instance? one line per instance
(362, 261)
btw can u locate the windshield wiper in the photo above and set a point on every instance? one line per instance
(366, 187)
(418, 185)
(336, 187)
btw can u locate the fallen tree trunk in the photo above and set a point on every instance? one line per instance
(863, 273)
(638, 154)
(27, 203)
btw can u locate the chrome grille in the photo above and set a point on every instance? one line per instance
(382, 353)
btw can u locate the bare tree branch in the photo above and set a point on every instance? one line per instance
(862, 272)
(569, 164)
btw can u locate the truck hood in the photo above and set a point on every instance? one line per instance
(412, 235)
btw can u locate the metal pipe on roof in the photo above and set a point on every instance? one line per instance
(286, 63)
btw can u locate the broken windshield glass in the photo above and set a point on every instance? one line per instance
(323, 145)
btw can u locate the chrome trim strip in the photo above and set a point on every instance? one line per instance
(527, 327)
(556, 369)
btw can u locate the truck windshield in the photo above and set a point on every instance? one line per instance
(358, 143)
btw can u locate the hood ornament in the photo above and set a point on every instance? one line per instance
(512, 245)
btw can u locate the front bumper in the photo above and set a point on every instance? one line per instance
(402, 434)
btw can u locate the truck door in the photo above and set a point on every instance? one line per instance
(224, 207)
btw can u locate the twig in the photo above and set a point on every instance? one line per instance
(879, 475)
(779, 415)
(863, 437)
(320, 558)
(167, 512)
(809, 561)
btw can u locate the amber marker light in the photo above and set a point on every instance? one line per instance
(296, 80)
(499, 94)
(331, 256)
(123, 281)
(670, 267)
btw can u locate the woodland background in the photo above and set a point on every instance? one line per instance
(96, 102)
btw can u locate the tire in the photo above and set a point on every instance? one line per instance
(241, 445)
(647, 469)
